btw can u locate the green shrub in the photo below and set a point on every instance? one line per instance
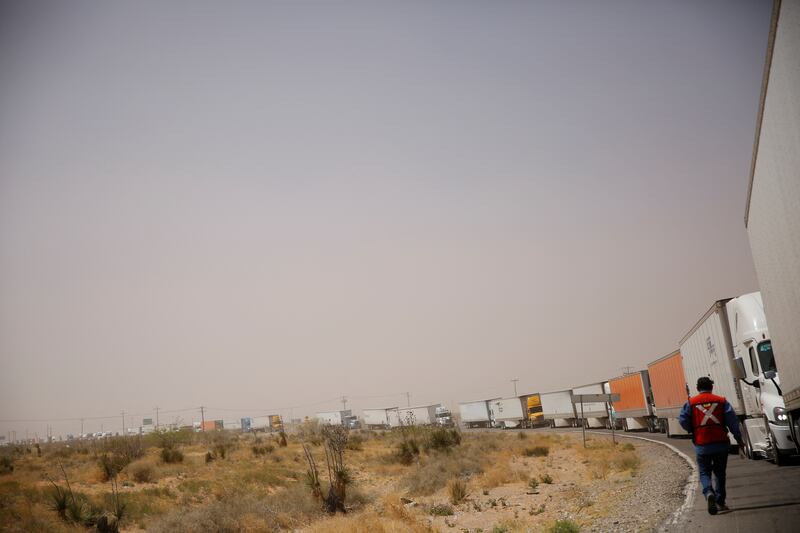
(441, 509)
(262, 450)
(171, 455)
(547, 479)
(564, 526)
(407, 451)
(537, 451)
(533, 484)
(628, 447)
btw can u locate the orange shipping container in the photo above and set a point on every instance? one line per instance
(668, 382)
(632, 390)
(209, 425)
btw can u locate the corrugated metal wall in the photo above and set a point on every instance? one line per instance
(668, 382)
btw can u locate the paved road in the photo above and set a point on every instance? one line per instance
(762, 497)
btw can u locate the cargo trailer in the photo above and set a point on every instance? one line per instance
(595, 414)
(420, 415)
(731, 345)
(476, 414)
(634, 406)
(333, 418)
(557, 407)
(668, 385)
(509, 412)
(377, 418)
(772, 216)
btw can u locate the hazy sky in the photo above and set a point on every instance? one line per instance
(252, 205)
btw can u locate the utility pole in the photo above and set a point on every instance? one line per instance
(123, 423)
(408, 399)
(81, 427)
(626, 370)
(514, 381)
(344, 403)
(202, 418)
(156, 418)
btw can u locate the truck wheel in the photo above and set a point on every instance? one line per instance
(748, 446)
(775, 455)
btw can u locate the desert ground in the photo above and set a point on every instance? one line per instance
(319, 480)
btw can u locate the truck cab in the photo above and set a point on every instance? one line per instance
(765, 427)
(443, 417)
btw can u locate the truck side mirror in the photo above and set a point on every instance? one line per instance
(769, 374)
(738, 368)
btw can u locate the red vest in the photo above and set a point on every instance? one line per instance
(708, 418)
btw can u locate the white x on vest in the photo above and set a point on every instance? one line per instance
(708, 414)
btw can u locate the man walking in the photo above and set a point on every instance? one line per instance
(709, 418)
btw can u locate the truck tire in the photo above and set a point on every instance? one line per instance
(748, 446)
(775, 454)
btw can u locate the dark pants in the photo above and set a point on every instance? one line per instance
(715, 463)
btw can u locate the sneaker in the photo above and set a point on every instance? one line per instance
(711, 499)
(722, 507)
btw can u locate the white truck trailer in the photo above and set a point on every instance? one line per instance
(557, 407)
(476, 414)
(595, 414)
(772, 216)
(509, 412)
(334, 418)
(377, 418)
(731, 345)
(420, 415)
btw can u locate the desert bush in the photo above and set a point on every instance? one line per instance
(547, 479)
(127, 448)
(441, 509)
(111, 465)
(443, 439)
(433, 472)
(209, 457)
(457, 488)
(6, 465)
(171, 455)
(564, 526)
(628, 447)
(537, 451)
(627, 461)
(522, 435)
(406, 452)
(533, 484)
(262, 450)
(355, 442)
(142, 471)
(289, 509)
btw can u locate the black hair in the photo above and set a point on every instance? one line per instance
(705, 383)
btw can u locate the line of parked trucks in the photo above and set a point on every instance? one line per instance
(730, 343)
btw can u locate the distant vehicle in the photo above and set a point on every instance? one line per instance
(420, 415)
(634, 407)
(772, 218)
(333, 418)
(535, 415)
(595, 414)
(668, 385)
(558, 409)
(352, 422)
(731, 344)
(476, 414)
(509, 412)
(377, 418)
(247, 424)
(444, 418)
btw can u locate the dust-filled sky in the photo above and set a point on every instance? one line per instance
(256, 205)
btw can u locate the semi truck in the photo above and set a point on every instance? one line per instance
(731, 345)
(334, 418)
(668, 385)
(595, 414)
(420, 415)
(634, 406)
(535, 415)
(557, 407)
(772, 215)
(377, 418)
(509, 412)
(476, 414)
